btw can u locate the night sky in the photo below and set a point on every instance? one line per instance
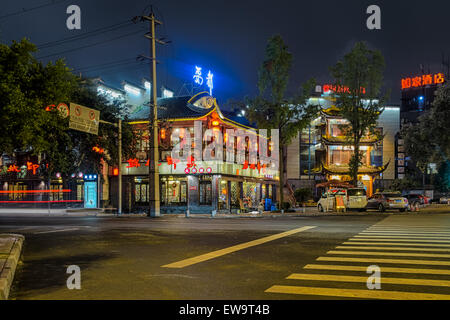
(229, 37)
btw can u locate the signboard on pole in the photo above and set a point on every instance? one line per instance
(84, 119)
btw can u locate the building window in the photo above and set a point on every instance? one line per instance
(223, 195)
(205, 192)
(141, 195)
(174, 191)
(235, 196)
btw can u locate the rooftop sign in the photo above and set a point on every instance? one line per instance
(422, 81)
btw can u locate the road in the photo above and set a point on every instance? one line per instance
(244, 258)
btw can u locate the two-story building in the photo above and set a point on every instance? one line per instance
(196, 184)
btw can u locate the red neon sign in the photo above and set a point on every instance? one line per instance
(32, 166)
(327, 88)
(421, 81)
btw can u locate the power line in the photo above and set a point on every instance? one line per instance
(91, 45)
(85, 35)
(104, 64)
(30, 9)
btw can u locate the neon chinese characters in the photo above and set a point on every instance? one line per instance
(421, 81)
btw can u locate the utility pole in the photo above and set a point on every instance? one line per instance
(119, 209)
(119, 128)
(153, 175)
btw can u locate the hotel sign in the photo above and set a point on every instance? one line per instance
(422, 81)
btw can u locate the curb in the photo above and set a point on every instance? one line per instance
(7, 273)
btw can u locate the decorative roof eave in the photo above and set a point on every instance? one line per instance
(344, 170)
(333, 112)
(214, 108)
(340, 141)
(330, 113)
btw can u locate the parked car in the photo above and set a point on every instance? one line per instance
(387, 200)
(327, 201)
(415, 200)
(445, 199)
(356, 199)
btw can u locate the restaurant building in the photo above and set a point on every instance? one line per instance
(319, 153)
(194, 184)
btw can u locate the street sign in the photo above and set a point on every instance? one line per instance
(84, 119)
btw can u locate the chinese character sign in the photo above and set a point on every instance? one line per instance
(421, 81)
(198, 79)
(209, 82)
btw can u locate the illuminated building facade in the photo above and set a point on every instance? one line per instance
(196, 184)
(319, 153)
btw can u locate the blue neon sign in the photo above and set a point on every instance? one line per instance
(198, 78)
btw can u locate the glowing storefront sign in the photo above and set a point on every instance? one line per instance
(209, 82)
(328, 88)
(198, 79)
(422, 81)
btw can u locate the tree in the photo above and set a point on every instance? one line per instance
(26, 88)
(302, 194)
(271, 109)
(428, 140)
(358, 78)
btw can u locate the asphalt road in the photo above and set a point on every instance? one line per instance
(144, 258)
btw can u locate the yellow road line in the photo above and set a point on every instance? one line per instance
(400, 254)
(221, 252)
(341, 278)
(398, 239)
(378, 260)
(391, 248)
(398, 244)
(383, 269)
(356, 293)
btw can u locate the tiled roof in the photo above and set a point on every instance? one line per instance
(171, 108)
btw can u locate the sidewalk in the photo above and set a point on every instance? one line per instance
(10, 250)
(29, 212)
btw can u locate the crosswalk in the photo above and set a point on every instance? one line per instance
(412, 252)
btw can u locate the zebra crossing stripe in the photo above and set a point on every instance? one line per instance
(341, 278)
(399, 244)
(377, 260)
(392, 248)
(400, 254)
(399, 239)
(357, 293)
(407, 233)
(383, 269)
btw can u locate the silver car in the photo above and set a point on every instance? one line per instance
(387, 200)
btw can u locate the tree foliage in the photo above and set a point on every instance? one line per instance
(359, 78)
(272, 108)
(27, 87)
(428, 140)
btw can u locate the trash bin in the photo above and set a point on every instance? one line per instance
(267, 204)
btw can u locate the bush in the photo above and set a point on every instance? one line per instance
(286, 205)
(302, 194)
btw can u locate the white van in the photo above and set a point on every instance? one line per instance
(356, 199)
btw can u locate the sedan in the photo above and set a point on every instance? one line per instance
(383, 201)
